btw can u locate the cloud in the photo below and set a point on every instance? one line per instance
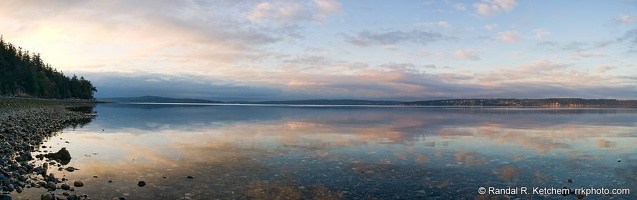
(190, 38)
(508, 36)
(404, 67)
(367, 38)
(630, 37)
(490, 26)
(430, 66)
(326, 8)
(544, 78)
(127, 34)
(627, 19)
(115, 84)
(467, 54)
(573, 46)
(292, 12)
(579, 55)
(459, 6)
(603, 68)
(443, 24)
(279, 12)
(388, 81)
(390, 47)
(540, 33)
(257, 50)
(492, 7)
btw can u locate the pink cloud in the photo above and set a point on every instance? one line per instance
(492, 7)
(603, 68)
(508, 36)
(467, 54)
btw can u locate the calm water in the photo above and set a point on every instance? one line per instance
(268, 152)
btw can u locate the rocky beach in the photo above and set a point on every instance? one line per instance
(24, 125)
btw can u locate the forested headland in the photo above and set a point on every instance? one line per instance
(24, 74)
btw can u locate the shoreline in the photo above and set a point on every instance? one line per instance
(24, 125)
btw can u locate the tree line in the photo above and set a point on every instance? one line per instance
(25, 74)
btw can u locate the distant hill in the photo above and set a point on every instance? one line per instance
(508, 102)
(325, 102)
(500, 102)
(550, 102)
(156, 99)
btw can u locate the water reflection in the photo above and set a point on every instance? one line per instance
(251, 152)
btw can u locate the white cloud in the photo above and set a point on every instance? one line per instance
(290, 11)
(492, 7)
(540, 33)
(627, 19)
(443, 24)
(507, 5)
(490, 26)
(579, 55)
(366, 38)
(390, 47)
(508, 36)
(459, 6)
(603, 68)
(278, 12)
(467, 54)
(326, 8)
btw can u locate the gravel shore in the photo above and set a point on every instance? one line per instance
(24, 125)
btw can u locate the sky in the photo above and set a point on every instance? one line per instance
(329, 49)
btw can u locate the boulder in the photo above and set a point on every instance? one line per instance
(62, 155)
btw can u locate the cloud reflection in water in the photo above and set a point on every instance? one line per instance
(344, 152)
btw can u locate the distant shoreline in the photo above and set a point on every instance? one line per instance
(361, 106)
(496, 102)
(76, 102)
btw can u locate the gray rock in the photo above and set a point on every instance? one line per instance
(51, 186)
(78, 183)
(70, 169)
(5, 196)
(73, 197)
(46, 196)
(62, 155)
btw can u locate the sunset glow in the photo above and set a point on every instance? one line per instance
(380, 50)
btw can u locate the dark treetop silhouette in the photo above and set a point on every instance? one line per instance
(24, 74)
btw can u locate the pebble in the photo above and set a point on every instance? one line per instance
(5, 197)
(78, 183)
(46, 196)
(65, 186)
(51, 185)
(141, 183)
(190, 177)
(25, 125)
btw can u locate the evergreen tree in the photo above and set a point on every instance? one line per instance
(25, 74)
